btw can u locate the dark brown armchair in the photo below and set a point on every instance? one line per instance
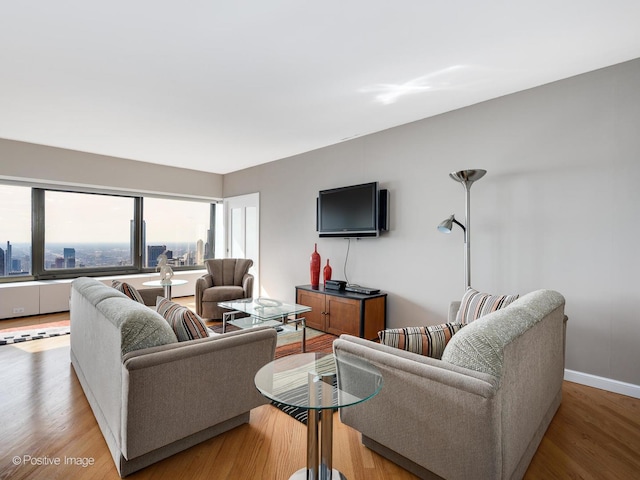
(227, 279)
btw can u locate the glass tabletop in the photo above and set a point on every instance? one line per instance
(318, 381)
(164, 283)
(265, 308)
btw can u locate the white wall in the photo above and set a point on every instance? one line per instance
(558, 208)
(39, 163)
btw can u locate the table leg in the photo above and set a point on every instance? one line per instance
(302, 321)
(225, 317)
(326, 420)
(320, 432)
(304, 335)
(167, 292)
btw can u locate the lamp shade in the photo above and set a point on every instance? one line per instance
(446, 225)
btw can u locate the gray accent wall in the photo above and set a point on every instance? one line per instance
(559, 208)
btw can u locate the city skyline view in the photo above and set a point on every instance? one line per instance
(85, 230)
(95, 255)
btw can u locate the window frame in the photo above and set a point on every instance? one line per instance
(38, 270)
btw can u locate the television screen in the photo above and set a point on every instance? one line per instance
(349, 211)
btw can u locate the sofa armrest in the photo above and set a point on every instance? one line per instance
(247, 285)
(173, 391)
(202, 283)
(149, 295)
(428, 410)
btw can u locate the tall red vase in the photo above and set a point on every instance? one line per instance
(315, 267)
(326, 272)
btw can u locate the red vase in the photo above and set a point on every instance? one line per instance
(315, 267)
(326, 272)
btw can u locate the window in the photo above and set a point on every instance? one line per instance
(15, 231)
(90, 231)
(182, 229)
(48, 233)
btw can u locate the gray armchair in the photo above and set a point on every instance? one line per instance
(227, 279)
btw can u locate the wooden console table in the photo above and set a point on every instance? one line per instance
(338, 312)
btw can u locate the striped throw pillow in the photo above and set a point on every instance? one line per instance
(428, 341)
(128, 290)
(185, 323)
(475, 305)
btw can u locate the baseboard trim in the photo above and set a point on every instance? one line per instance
(602, 383)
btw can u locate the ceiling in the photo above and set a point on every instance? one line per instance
(219, 86)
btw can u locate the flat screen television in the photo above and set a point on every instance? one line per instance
(352, 211)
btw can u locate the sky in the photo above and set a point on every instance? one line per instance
(86, 218)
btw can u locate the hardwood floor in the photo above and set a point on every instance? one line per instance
(46, 418)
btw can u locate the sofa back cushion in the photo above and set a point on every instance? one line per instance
(476, 304)
(140, 326)
(480, 345)
(228, 271)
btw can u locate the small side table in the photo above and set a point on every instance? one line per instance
(166, 285)
(319, 383)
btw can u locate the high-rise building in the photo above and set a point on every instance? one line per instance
(16, 266)
(8, 260)
(200, 252)
(2, 268)
(69, 258)
(152, 254)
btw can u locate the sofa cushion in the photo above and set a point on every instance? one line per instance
(222, 294)
(128, 290)
(185, 323)
(140, 327)
(475, 304)
(429, 341)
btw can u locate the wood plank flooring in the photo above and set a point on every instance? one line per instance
(46, 418)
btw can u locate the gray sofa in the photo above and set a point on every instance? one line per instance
(481, 411)
(153, 396)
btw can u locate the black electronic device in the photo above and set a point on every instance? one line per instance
(383, 210)
(353, 211)
(335, 284)
(362, 290)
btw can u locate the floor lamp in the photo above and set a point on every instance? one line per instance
(466, 178)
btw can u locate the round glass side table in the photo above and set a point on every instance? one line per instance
(166, 285)
(319, 383)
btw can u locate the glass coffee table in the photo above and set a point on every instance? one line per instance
(264, 311)
(319, 383)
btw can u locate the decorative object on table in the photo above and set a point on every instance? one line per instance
(268, 302)
(466, 178)
(314, 267)
(326, 273)
(165, 270)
